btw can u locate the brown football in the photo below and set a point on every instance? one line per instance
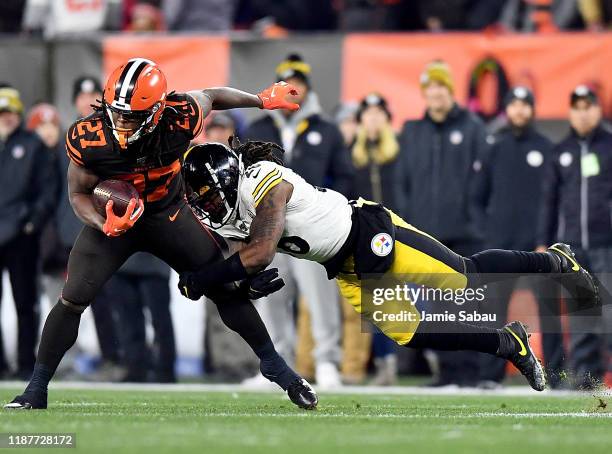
(120, 192)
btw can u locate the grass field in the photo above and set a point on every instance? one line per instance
(118, 421)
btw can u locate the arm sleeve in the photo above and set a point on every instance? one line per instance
(549, 205)
(341, 165)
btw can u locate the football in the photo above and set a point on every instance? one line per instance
(120, 192)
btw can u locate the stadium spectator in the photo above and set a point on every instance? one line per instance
(220, 128)
(441, 15)
(11, 16)
(346, 119)
(142, 283)
(27, 196)
(315, 149)
(597, 14)
(43, 119)
(541, 15)
(374, 153)
(199, 15)
(61, 17)
(576, 210)
(439, 156)
(364, 15)
(510, 183)
(145, 18)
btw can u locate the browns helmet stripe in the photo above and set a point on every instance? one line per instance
(125, 85)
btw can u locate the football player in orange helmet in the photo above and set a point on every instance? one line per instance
(139, 133)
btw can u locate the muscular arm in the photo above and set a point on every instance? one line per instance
(266, 229)
(80, 186)
(223, 98)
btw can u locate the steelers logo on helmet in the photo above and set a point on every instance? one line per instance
(134, 99)
(381, 244)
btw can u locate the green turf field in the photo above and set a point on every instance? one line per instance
(108, 421)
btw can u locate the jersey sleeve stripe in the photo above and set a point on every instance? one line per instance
(263, 182)
(75, 159)
(71, 149)
(198, 127)
(273, 182)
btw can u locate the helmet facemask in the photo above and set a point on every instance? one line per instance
(146, 121)
(215, 203)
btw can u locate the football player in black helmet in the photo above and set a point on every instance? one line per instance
(271, 208)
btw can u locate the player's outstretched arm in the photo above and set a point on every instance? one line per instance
(81, 183)
(222, 98)
(266, 230)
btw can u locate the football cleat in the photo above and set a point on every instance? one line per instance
(522, 356)
(302, 394)
(574, 277)
(28, 402)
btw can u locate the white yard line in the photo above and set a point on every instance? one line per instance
(360, 390)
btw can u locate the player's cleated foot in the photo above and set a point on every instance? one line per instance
(574, 277)
(515, 347)
(28, 401)
(302, 394)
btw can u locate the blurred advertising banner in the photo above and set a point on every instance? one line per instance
(552, 65)
(190, 62)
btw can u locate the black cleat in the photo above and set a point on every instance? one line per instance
(302, 394)
(574, 277)
(28, 401)
(522, 356)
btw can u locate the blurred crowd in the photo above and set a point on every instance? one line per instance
(472, 181)
(275, 18)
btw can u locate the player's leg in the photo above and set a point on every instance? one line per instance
(94, 258)
(438, 267)
(186, 245)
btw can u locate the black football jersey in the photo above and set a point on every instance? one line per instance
(152, 163)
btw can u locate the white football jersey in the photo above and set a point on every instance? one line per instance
(317, 221)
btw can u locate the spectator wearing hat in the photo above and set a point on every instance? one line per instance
(576, 209)
(43, 119)
(509, 190)
(220, 128)
(315, 149)
(27, 196)
(374, 153)
(439, 159)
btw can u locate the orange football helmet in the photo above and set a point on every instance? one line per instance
(136, 91)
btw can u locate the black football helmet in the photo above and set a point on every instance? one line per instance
(212, 173)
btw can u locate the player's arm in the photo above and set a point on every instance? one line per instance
(266, 230)
(222, 98)
(81, 183)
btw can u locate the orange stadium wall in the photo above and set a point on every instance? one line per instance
(345, 67)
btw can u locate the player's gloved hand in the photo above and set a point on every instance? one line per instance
(263, 283)
(274, 96)
(189, 286)
(117, 225)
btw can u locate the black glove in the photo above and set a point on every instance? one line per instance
(188, 285)
(263, 283)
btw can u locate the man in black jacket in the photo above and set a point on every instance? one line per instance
(314, 148)
(439, 158)
(508, 192)
(27, 195)
(577, 208)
